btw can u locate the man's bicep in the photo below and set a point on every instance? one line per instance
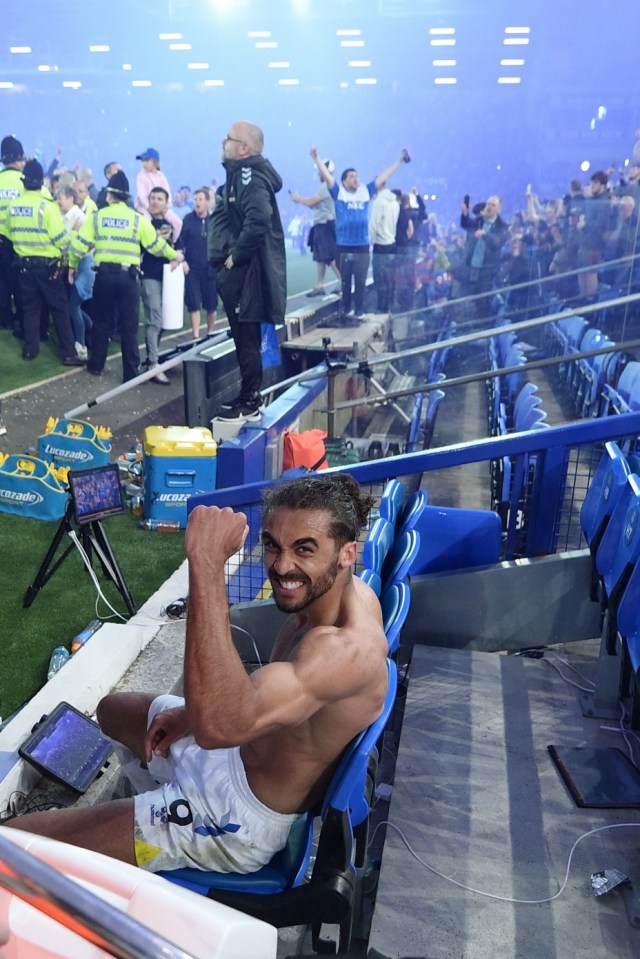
(292, 692)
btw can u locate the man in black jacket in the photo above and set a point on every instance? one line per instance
(246, 248)
(486, 235)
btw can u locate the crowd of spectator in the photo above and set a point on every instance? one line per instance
(584, 240)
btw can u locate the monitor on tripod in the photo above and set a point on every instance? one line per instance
(95, 493)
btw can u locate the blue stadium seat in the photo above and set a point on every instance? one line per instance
(591, 376)
(617, 397)
(400, 561)
(414, 424)
(629, 630)
(618, 552)
(391, 500)
(372, 579)
(605, 488)
(453, 538)
(395, 602)
(433, 402)
(530, 418)
(526, 394)
(378, 545)
(277, 893)
(412, 510)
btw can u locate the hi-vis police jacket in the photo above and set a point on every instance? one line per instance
(36, 227)
(11, 187)
(117, 233)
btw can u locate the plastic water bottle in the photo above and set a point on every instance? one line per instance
(161, 525)
(59, 657)
(80, 639)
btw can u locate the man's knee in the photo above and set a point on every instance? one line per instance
(120, 713)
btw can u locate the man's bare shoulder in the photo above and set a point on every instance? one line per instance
(356, 639)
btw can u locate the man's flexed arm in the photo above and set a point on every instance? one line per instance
(226, 706)
(216, 684)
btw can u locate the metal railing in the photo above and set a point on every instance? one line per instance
(541, 517)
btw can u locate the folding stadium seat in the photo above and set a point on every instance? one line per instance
(395, 602)
(412, 510)
(513, 381)
(391, 500)
(627, 378)
(612, 365)
(616, 558)
(414, 424)
(603, 494)
(590, 375)
(618, 552)
(277, 893)
(400, 561)
(526, 392)
(378, 545)
(629, 632)
(530, 417)
(433, 404)
(453, 538)
(372, 579)
(571, 368)
(634, 395)
(572, 331)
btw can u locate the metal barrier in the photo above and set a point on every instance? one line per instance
(542, 516)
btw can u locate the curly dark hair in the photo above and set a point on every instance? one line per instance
(338, 494)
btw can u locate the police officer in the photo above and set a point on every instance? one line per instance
(117, 233)
(40, 241)
(11, 186)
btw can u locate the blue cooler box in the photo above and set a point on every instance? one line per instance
(178, 462)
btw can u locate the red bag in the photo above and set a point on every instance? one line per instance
(304, 449)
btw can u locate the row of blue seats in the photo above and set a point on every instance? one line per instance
(512, 404)
(610, 521)
(411, 538)
(596, 383)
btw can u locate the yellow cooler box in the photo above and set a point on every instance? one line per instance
(178, 462)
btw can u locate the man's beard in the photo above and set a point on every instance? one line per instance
(313, 590)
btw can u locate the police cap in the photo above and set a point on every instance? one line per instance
(118, 183)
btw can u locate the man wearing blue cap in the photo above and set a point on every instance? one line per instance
(149, 177)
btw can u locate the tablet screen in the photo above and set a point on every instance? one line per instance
(68, 747)
(96, 492)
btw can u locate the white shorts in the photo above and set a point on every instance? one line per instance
(203, 814)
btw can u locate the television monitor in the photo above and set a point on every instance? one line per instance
(96, 492)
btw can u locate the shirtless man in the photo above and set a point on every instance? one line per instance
(244, 754)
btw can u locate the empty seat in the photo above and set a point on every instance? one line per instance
(629, 630)
(391, 500)
(530, 418)
(412, 510)
(372, 579)
(433, 404)
(378, 545)
(401, 558)
(414, 424)
(395, 602)
(618, 552)
(453, 538)
(605, 488)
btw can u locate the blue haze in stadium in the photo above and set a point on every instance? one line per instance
(488, 97)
